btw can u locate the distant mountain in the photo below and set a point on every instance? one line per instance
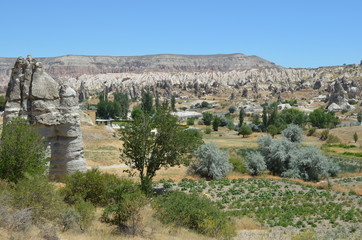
(65, 67)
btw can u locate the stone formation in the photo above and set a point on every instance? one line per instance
(52, 109)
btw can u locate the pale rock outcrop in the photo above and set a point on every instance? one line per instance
(53, 110)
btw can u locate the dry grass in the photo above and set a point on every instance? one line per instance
(150, 228)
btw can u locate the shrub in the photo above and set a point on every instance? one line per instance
(22, 151)
(238, 164)
(324, 135)
(86, 212)
(256, 163)
(232, 109)
(68, 218)
(92, 186)
(126, 201)
(322, 119)
(194, 212)
(216, 123)
(190, 121)
(36, 193)
(355, 137)
(207, 130)
(245, 130)
(307, 163)
(293, 133)
(223, 121)
(212, 162)
(205, 104)
(207, 118)
(230, 125)
(311, 131)
(293, 116)
(333, 139)
(272, 130)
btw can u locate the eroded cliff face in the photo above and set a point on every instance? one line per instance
(246, 82)
(52, 109)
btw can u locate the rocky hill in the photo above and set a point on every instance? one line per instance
(64, 67)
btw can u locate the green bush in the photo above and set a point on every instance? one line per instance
(39, 195)
(126, 201)
(207, 118)
(92, 186)
(311, 131)
(324, 135)
(22, 151)
(245, 130)
(194, 212)
(190, 121)
(232, 109)
(86, 212)
(207, 130)
(216, 123)
(238, 164)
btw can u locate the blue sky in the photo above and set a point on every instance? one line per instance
(290, 33)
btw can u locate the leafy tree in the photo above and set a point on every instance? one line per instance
(293, 116)
(255, 119)
(22, 151)
(245, 130)
(147, 102)
(205, 104)
(109, 109)
(273, 130)
(232, 109)
(273, 114)
(136, 112)
(124, 103)
(241, 117)
(355, 137)
(146, 151)
(165, 104)
(173, 102)
(322, 119)
(207, 118)
(212, 162)
(216, 123)
(293, 133)
(223, 121)
(126, 201)
(256, 163)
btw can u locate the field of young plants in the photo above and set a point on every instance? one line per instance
(280, 203)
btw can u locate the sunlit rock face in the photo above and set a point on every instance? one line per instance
(52, 108)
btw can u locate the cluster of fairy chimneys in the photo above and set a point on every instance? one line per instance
(54, 111)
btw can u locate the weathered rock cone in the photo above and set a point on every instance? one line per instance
(53, 110)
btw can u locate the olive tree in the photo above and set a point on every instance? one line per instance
(153, 142)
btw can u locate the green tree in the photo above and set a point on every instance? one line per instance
(216, 123)
(293, 116)
(147, 102)
(207, 118)
(265, 115)
(205, 104)
(122, 98)
(22, 151)
(173, 102)
(273, 130)
(157, 101)
(322, 119)
(136, 112)
(355, 137)
(241, 117)
(273, 114)
(232, 109)
(245, 130)
(191, 121)
(150, 143)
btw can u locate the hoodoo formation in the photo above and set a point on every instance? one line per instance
(52, 108)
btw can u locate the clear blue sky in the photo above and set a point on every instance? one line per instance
(291, 33)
